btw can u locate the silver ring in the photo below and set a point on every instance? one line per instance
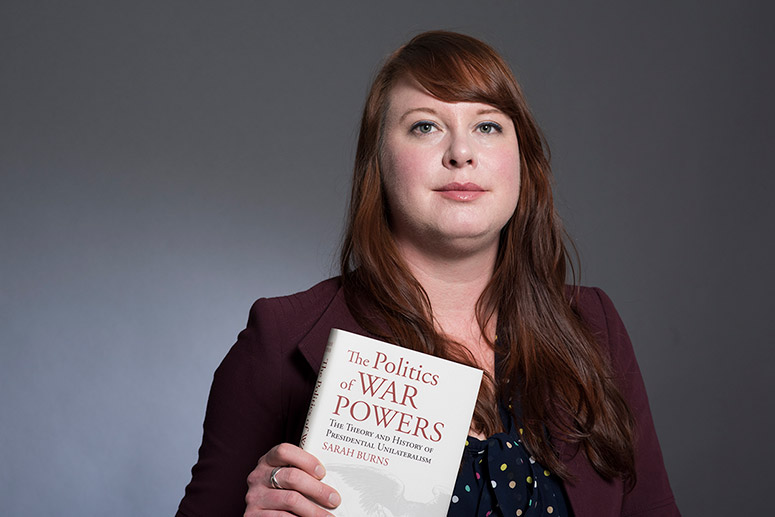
(273, 478)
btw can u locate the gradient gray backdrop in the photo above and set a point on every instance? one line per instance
(163, 164)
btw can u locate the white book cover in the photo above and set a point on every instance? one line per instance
(389, 424)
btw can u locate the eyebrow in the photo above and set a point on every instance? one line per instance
(415, 110)
(485, 111)
(490, 110)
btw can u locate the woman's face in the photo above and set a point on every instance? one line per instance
(450, 171)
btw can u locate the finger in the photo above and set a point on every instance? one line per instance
(287, 454)
(293, 479)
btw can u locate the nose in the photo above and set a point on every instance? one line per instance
(459, 153)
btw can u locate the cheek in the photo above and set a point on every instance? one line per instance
(388, 176)
(402, 172)
(507, 166)
(511, 177)
(393, 183)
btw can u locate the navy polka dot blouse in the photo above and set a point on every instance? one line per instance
(498, 478)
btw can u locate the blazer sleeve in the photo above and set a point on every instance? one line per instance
(244, 418)
(651, 496)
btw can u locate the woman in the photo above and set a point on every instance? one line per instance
(453, 248)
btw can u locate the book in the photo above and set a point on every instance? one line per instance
(389, 424)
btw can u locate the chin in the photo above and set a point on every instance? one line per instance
(466, 243)
(469, 230)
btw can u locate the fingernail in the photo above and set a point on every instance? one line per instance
(334, 499)
(320, 471)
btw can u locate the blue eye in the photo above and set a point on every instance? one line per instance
(489, 127)
(423, 127)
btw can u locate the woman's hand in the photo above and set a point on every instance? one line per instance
(297, 474)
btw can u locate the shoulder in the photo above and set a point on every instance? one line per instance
(291, 316)
(597, 311)
(592, 305)
(316, 298)
(299, 322)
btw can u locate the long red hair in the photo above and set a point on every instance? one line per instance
(548, 359)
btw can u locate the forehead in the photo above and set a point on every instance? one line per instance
(407, 96)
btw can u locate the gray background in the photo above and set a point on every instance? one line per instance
(164, 163)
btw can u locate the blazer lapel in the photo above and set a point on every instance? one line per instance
(336, 315)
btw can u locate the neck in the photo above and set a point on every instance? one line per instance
(454, 285)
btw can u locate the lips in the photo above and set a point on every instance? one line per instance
(461, 191)
(460, 187)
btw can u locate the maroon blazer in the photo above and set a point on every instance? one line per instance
(261, 392)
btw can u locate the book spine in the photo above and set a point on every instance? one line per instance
(314, 407)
